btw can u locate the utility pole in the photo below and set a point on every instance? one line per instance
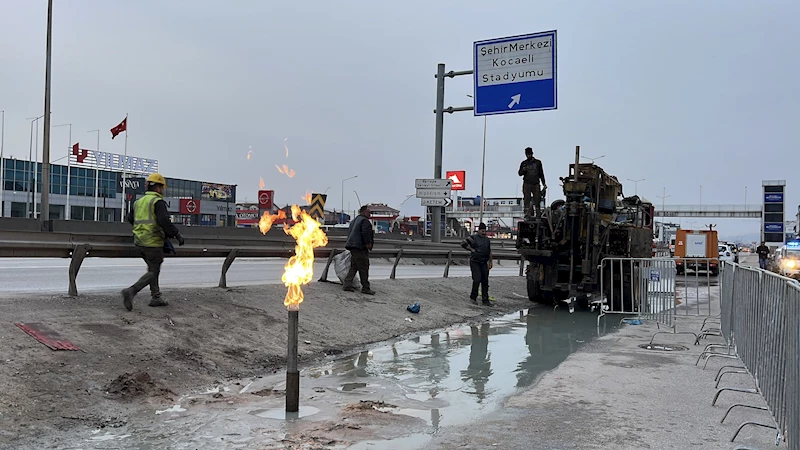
(636, 185)
(46, 138)
(663, 199)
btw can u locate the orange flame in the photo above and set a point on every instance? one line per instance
(307, 198)
(300, 268)
(249, 152)
(260, 183)
(286, 146)
(286, 171)
(266, 220)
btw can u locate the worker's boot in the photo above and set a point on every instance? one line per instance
(367, 291)
(127, 298)
(349, 288)
(158, 301)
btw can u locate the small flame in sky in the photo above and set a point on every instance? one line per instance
(307, 198)
(260, 183)
(286, 170)
(249, 152)
(300, 268)
(286, 146)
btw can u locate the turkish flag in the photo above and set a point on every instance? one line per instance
(123, 126)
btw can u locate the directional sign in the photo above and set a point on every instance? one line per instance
(515, 74)
(436, 201)
(433, 193)
(317, 209)
(427, 183)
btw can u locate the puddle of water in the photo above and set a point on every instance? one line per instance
(281, 414)
(176, 408)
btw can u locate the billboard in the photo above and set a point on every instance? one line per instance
(773, 197)
(217, 191)
(265, 199)
(458, 179)
(134, 185)
(773, 228)
(247, 215)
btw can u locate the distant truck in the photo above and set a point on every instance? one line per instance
(697, 250)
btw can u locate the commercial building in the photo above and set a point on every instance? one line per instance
(91, 188)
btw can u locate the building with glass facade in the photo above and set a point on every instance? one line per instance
(79, 193)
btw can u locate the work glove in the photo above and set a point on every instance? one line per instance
(491, 265)
(181, 241)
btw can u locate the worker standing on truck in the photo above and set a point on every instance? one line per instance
(480, 261)
(763, 255)
(532, 173)
(151, 228)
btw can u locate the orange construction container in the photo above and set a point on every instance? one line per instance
(697, 250)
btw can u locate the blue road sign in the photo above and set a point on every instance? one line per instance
(515, 74)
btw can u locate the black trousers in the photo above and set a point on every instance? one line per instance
(534, 191)
(480, 277)
(153, 257)
(359, 262)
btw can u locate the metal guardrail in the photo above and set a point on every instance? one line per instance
(204, 243)
(760, 322)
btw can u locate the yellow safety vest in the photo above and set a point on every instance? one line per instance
(146, 231)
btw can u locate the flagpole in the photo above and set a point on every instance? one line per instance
(122, 208)
(96, 175)
(2, 161)
(67, 213)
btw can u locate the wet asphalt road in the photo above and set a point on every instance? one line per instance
(50, 275)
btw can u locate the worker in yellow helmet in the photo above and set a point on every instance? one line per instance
(151, 228)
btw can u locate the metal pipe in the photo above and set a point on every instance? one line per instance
(436, 211)
(292, 374)
(46, 137)
(2, 162)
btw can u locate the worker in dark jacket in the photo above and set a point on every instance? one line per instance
(480, 261)
(151, 228)
(763, 255)
(360, 238)
(532, 173)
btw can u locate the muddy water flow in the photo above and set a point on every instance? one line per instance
(403, 391)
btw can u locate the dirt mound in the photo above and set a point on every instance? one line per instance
(366, 405)
(138, 384)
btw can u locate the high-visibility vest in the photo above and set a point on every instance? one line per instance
(146, 231)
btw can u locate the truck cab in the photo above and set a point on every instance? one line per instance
(697, 250)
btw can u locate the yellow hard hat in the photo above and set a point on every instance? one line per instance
(157, 178)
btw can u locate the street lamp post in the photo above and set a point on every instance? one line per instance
(46, 136)
(483, 166)
(663, 199)
(96, 175)
(69, 169)
(342, 213)
(636, 185)
(593, 159)
(33, 166)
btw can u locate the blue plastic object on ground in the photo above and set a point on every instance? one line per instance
(414, 308)
(632, 321)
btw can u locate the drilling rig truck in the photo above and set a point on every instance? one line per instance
(566, 245)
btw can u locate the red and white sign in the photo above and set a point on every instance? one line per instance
(457, 176)
(246, 216)
(189, 206)
(265, 199)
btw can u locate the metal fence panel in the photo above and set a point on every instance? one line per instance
(641, 286)
(792, 366)
(770, 342)
(726, 296)
(695, 278)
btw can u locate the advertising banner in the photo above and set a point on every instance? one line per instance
(773, 197)
(265, 199)
(458, 178)
(217, 191)
(134, 186)
(773, 228)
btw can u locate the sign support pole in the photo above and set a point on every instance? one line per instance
(122, 207)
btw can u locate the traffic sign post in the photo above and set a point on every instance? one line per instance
(436, 202)
(515, 74)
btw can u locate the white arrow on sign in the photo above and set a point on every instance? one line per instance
(435, 201)
(433, 193)
(514, 100)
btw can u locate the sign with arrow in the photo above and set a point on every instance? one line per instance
(515, 74)
(438, 183)
(436, 201)
(433, 193)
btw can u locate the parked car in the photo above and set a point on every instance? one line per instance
(725, 253)
(786, 262)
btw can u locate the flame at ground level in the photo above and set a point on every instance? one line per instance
(300, 268)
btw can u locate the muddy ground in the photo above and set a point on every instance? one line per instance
(151, 356)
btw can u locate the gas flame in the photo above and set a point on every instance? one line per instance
(286, 146)
(300, 268)
(286, 170)
(260, 183)
(307, 198)
(249, 152)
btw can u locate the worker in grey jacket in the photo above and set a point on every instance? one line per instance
(532, 173)
(360, 239)
(480, 261)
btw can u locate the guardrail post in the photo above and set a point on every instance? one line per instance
(223, 278)
(396, 261)
(447, 266)
(324, 276)
(521, 265)
(78, 255)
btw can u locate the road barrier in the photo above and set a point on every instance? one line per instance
(760, 323)
(696, 276)
(227, 243)
(644, 287)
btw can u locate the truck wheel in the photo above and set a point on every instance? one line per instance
(533, 284)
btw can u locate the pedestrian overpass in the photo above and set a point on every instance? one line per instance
(725, 211)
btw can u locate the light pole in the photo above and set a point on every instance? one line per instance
(636, 185)
(483, 166)
(33, 166)
(663, 199)
(342, 213)
(46, 136)
(97, 176)
(69, 170)
(357, 197)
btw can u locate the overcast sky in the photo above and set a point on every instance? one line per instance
(681, 93)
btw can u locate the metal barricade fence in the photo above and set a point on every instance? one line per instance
(770, 342)
(695, 279)
(727, 289)
(792, 368)
(640, 286)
